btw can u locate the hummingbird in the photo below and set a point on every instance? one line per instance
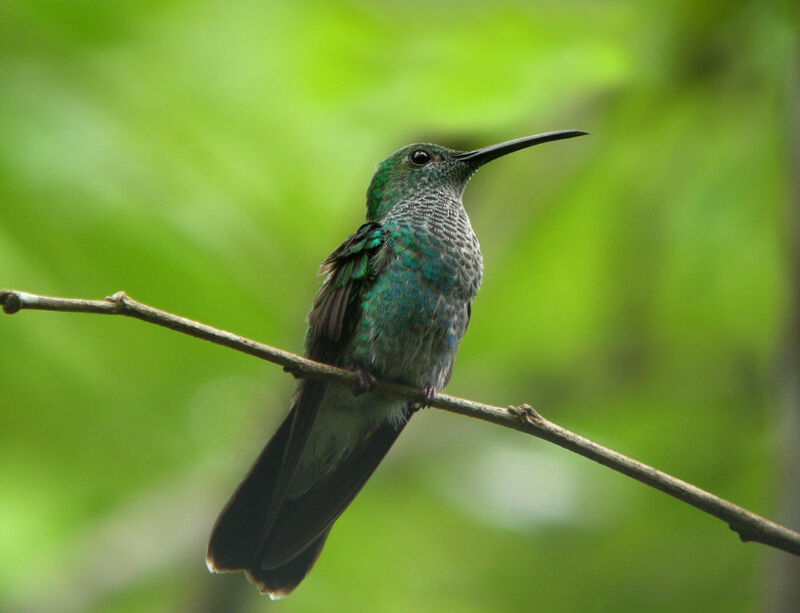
(394, 304)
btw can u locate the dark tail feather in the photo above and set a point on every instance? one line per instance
(240, 531)
(302, 520)
(303, 523)
(243, 525)
(277, 540)
(279, 582)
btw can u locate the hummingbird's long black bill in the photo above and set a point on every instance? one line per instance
(492, 152)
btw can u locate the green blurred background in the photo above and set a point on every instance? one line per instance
(206, 156)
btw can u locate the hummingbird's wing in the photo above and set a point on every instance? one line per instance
(246, 522)
(354, 264)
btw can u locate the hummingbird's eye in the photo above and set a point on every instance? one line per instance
(419, 157)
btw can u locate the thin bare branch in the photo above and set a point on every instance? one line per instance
(749, 526)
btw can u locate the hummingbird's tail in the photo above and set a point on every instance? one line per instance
(277, 539)
(243, 525)
(279, 582)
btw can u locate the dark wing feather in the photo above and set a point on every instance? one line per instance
(245, 523)
(352, 265)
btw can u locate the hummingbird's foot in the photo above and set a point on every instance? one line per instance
(428, 392)
(292, 370)
(366, 381)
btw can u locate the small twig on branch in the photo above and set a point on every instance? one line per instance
(749, 526)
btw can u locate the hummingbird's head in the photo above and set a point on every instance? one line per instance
(427, 169)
